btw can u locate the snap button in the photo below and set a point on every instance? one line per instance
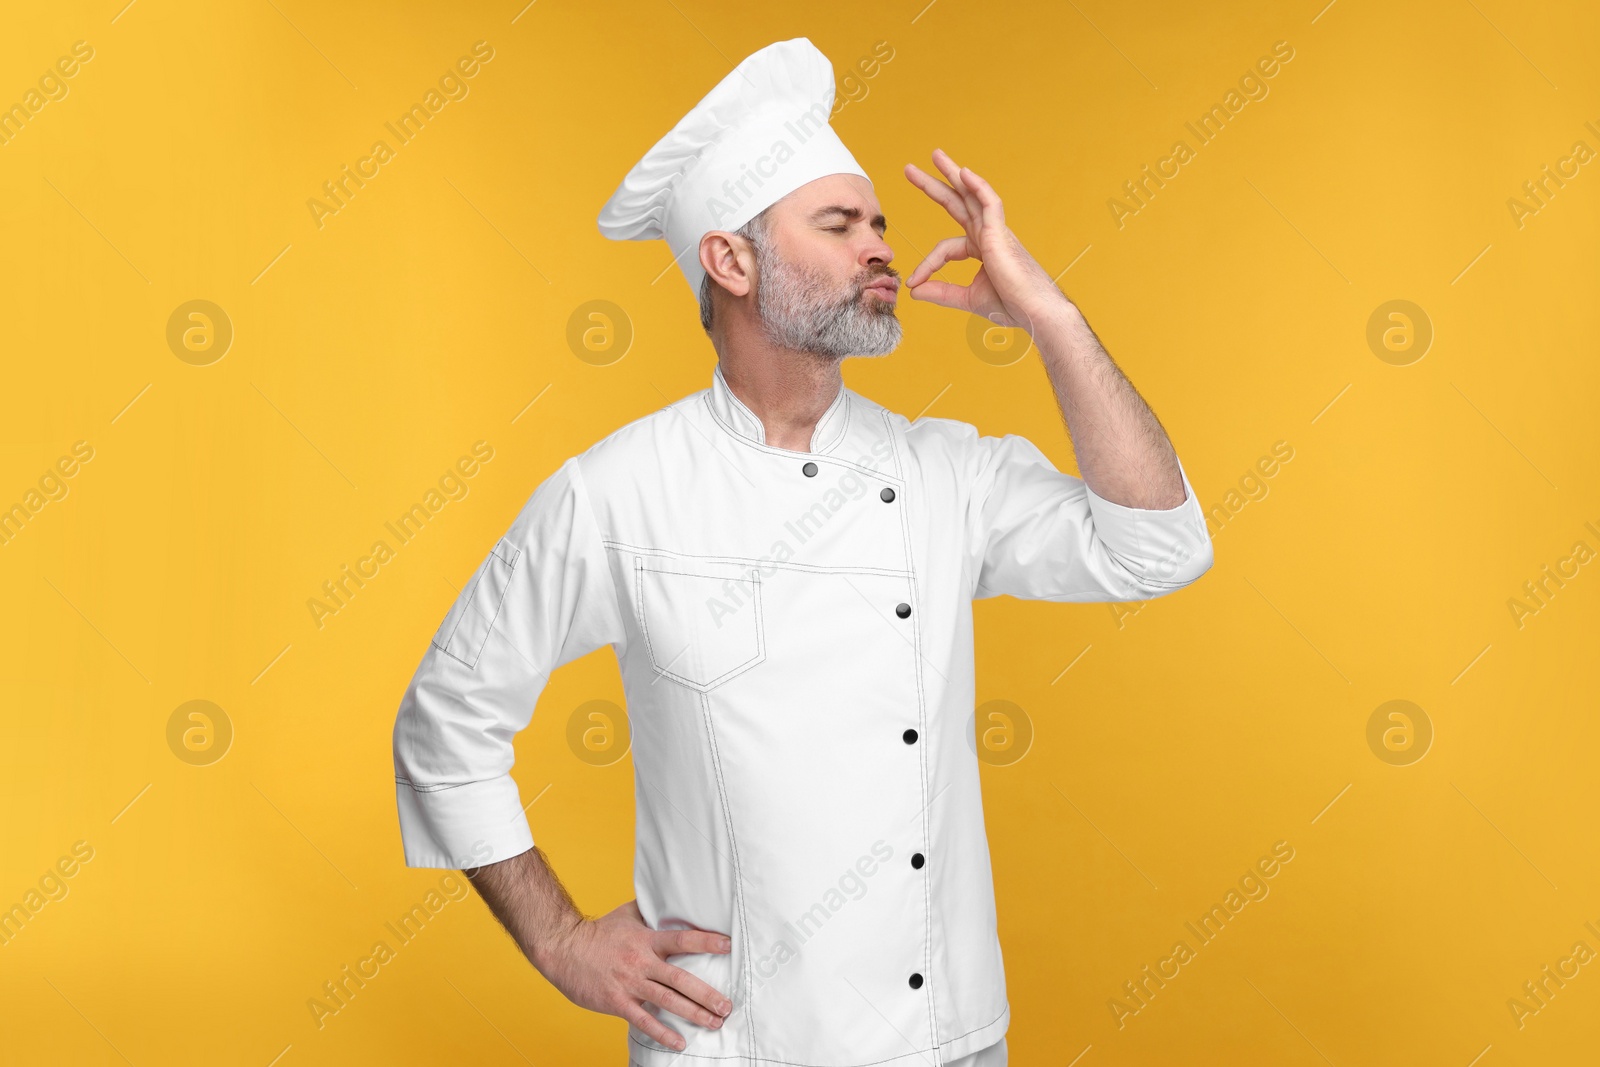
(910, 737)
(887, 496)
(916, 981)
(902, 610)
(917, 860)
(809, 470)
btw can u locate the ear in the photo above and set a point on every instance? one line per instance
(729, 260)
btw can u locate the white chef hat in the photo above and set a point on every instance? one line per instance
(762, 133)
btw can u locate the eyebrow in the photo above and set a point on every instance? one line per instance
(879, 223)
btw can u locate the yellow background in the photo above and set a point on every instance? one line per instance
(1184, 740)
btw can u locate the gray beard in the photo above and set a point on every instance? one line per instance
(799, 311)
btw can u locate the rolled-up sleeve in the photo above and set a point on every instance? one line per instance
(542, 597)
(1038, 534)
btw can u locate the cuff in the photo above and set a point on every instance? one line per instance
(461, 826)
(1166, 548)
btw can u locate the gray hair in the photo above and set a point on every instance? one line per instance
(755, 231)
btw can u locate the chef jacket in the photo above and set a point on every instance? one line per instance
(794, 635)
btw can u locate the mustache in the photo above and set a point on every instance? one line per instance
(886, 272)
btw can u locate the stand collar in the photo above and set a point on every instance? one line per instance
(735, 416)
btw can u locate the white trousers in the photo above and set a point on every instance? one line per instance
(993, 1056)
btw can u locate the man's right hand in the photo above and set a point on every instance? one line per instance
(616, 963)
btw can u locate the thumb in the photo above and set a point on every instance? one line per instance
(945, 294)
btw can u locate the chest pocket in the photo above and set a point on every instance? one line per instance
(701, 619)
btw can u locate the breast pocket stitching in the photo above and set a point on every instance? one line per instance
(686, 637)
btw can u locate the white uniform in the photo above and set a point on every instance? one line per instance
(794, 633)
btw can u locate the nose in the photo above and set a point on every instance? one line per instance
(877, 254)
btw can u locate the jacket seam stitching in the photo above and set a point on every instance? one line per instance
(415, 787)
(800, 1063)
(738, 868)
(582, 488)
(753, 562)
(922, 761)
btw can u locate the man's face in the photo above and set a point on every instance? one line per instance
(824, 284)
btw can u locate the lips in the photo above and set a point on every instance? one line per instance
(885, 287)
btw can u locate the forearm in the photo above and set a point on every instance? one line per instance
(530, 902)
(1123, 452)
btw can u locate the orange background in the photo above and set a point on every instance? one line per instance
(1170, 748)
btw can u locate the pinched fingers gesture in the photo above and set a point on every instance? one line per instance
(1011, 288)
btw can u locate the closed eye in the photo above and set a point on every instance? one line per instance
(849, 215)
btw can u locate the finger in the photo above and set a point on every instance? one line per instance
(690, 986)
(988, 200)
(668, 942)
(945, 294)
(947, 166)
(946, 251)
(941, 193)
(953, 174)
(678, 1004)
(636, 1013)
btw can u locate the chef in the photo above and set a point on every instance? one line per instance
(785, 570)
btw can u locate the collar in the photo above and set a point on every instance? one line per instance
(732, 413)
